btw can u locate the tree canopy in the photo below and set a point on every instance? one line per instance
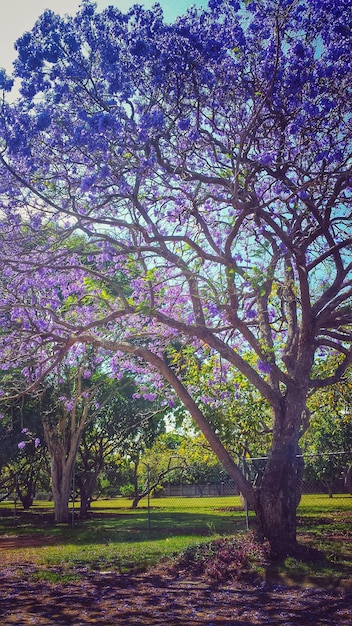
(205, 166)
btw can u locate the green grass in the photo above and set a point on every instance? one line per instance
(313, 504)
(117, 538)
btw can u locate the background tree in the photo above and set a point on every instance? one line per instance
(68, 403)
(209, 162)
(125, 425)
(183, 459)
(30, 471)
(328, 443)
(231, 404)
(23, 454)
(148, 422)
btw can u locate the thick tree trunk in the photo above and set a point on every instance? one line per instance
(279, 492)
(278, 496)
(63, 451)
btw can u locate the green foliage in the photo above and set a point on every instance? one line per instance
(237, 411)
(127, 491)
(182, 459)
(330, 432)
(23, 454)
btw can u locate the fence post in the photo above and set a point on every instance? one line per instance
(148, 487)
(15, 502)
(73, 497)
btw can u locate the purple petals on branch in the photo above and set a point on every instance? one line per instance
(264, 367)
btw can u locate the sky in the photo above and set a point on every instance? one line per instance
(18, 16)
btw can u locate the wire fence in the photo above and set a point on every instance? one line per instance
(329, 472)
(325, 486)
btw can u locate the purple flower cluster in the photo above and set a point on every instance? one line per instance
(264, 367)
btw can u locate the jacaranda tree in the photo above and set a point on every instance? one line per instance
(205, 166)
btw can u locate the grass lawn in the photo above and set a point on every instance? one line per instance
(116, 538)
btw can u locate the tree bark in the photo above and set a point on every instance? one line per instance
(279, 492)
(63, 441)
(61, 476)
(86, 483)
(27, 495)
(277, 501)
(85, 499)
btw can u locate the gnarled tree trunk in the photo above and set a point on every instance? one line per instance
(279, 492)
(278, 496)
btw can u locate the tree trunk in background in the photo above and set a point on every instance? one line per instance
(61, 476)
(85, 498)
(136, 495)
(63, 448)
(86, 483)
(27, 494)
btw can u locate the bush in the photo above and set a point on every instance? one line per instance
(127, 491)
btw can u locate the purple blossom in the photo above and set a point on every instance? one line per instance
(299, 50)
(69, 405)
(213, 309)
(149, 396)
(87, 183)
(264, 367)
(6, 83)
(37, 442)
(43, 120)
(22, 444)
(184, 123)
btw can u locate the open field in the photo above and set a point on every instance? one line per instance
(116, 536)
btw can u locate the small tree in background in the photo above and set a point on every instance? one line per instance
(125, 425)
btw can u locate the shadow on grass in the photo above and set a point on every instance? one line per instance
(107, 527)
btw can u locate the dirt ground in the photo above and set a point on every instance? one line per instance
(157, 598)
